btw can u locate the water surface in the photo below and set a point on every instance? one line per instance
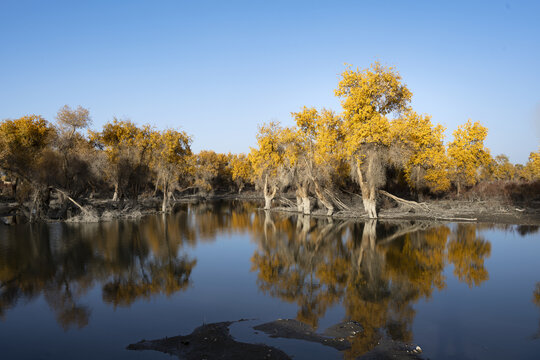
(461, 291)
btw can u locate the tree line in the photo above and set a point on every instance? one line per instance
(377, 141)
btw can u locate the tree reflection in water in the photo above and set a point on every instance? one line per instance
(133, 260)
(536, 301)
(377, 271)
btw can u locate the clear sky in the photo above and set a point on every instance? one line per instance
(218, 69)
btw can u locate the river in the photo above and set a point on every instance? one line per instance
(86, 291)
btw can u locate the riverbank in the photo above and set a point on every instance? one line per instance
(391, 208)
(482, 211)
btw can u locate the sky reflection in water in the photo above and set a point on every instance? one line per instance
(87, 290)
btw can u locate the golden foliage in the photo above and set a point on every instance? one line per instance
(424, 158)
(531, 171)
(467, 252)
(208, 166)
(22, 142)
(502, 168)
(241, 170)
(467, 153)
(267, 158)
(367, 97)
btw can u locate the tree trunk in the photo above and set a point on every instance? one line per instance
(306, 202)
(369, 195)
(302, 192)
(299, 203)
(165, 202)
(115, 196)
(268, 195)
(40, 203)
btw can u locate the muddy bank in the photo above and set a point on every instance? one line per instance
(213, 341)
(210, 341)
(392, 350)
(339, 337)
(294, 329)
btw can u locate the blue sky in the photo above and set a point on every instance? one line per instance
(218, 69)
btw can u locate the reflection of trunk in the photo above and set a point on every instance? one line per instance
(369, 236)
(14, 187)
(303, 225)
(369, 193)
(268, 222)
(268, 195)
(326, 202)
(306, 225)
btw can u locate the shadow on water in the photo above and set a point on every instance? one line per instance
(377, 271)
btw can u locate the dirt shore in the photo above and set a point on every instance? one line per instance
(436, 210)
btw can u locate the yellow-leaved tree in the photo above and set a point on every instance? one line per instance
(367, 97)
(468, 154)
(241, 170)
(210, 170)
(170, 152)
(531, 171)
(127, 151)
(502, 168)
(23, 145)
(297, 161)
(267, 159)
(318, 155)
(418, 146)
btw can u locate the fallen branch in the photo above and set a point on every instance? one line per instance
(454, 218)
(73, 201)
(286, 201)
(411, 203)
(186, 189)
(336, 200)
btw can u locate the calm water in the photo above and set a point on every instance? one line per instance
(85, 291)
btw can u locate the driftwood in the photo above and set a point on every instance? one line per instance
(429, 212)
(74, 202)
(454, 218)
(336, 200)
(286, 202)
(411, 203)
